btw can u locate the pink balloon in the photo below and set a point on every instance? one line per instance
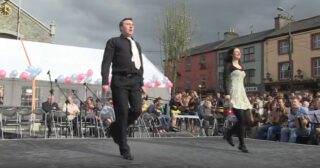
(89, 72)
(67, 80)
(169, 85)
(149, 84)
(80, 77)
(24, 75)
(158, 83)
(3, 73)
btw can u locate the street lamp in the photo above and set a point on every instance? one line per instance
(290, 16)
(200, 86)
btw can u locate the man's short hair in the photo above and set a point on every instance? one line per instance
(157, 100)
(121, 22)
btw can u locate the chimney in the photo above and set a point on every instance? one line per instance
(52, 28)
(230, 35)
(280, 21)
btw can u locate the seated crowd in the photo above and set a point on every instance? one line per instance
(285, 118)
(278, 117)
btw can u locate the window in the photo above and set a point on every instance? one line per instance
(248, 54)
(315, 67)
(250, 76)
(284, 71)
(203, 81)
(26, 96)
(283, 47)
(188, 83)
(315, 40)
(202, 62)
(220, 80)
(221, 57)
(188, 64)
(1, 95)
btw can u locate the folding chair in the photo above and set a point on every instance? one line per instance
(60, 121)
(10, 118)
(39, 117)
(25, 115)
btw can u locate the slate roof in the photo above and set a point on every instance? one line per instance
(296, 26)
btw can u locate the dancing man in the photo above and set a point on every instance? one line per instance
(127, 82)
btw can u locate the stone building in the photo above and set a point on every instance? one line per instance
(16, 23)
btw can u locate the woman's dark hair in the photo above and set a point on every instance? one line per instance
(229, 56)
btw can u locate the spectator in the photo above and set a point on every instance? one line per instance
(306, 104)
(315, 129)
(280, 119)
(205, 113)
(219, 100)
(48, 107)
(175, 108)
(90, 106)
(145, 106)
(73, 111)
(157, 113)
(108, 113)
(270, 115)
(193, 108)
(290, 134)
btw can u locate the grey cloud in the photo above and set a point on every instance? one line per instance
(90, 23)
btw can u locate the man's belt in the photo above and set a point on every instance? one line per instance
(126, 74)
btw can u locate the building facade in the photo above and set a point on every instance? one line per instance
(197, 71)
(265, 58)
(305, 56)
(252, 47)
(15, 23)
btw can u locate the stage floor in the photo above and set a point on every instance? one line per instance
(155, 152)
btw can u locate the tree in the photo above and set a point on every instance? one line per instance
(175, 36)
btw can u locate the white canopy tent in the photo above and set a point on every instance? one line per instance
(64, 61)
(61, 60)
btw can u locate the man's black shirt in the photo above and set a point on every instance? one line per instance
(118, 52)
(47, 107)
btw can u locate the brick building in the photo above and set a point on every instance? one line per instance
(198, 70)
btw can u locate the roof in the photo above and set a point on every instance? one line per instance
(247, 39)
(298, 26)
(204, 48)
(27, 14)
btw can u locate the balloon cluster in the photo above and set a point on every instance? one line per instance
(13, 73)
(33, 72)
(3, 73)
(76, 78)
(30, 73)
(155, 82)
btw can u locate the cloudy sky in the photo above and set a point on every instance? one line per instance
(89, 23)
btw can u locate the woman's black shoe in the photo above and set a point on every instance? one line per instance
(243, 148)
(228, 138)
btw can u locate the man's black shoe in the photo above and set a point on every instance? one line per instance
(127, 156)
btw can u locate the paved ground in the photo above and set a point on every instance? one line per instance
(165, 152)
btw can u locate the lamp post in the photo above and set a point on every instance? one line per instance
(290, 16)
(200, 86)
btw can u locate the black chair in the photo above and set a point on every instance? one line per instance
(60, 121)
(10, 118)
